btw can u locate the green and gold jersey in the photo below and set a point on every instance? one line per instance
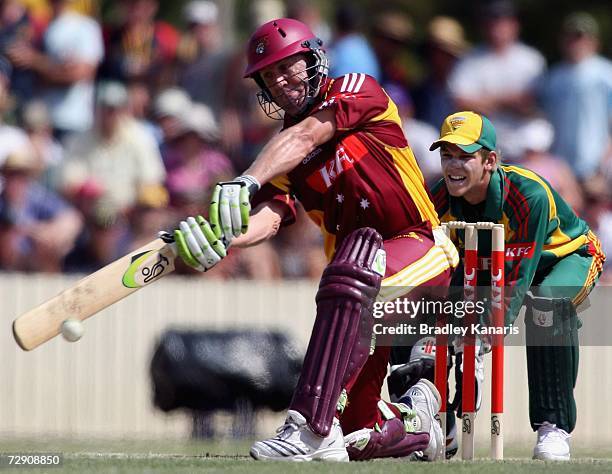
(540, 228)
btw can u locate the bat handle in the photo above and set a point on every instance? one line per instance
(166, 236)
(169, 239)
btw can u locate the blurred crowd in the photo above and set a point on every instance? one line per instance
(114, 127)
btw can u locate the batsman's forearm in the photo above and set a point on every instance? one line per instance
(287, 149)
(281, 154)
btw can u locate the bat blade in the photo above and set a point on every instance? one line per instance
(95, 292)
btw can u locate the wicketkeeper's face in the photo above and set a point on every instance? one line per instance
(465, 174)
(287, 81)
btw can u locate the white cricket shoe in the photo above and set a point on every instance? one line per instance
(425, 399)
(295, 441)
(553, 443)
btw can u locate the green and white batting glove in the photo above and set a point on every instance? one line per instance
(230, 207)
(198, 245)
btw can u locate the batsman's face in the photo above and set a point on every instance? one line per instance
(287, 81)
(465, 174)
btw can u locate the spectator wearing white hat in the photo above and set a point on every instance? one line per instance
(168, 107)
(119, 155)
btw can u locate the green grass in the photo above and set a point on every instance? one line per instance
(176, 456)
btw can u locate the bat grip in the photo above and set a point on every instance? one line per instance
(166, 236)
(169, 239)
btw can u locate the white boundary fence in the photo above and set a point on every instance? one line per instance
(100, 386)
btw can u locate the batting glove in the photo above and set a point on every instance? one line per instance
(198, 245)
(230, 207)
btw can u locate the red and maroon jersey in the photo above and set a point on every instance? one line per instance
(365, 176)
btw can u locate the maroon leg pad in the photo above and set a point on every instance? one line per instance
(391, 442)
(340, 341)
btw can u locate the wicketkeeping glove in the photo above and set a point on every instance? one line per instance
(230, 207)
(198, 245)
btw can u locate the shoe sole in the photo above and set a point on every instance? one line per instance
(327, 454)
(550, 457)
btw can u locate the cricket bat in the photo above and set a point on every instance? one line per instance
(95, 292)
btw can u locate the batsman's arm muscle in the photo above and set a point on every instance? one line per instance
(95, 292)
(287, 149)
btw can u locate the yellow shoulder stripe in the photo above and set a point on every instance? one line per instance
(558, 237)
(552, 206)
(391, 114)
(410, 173)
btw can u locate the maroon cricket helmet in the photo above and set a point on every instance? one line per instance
(279, 39)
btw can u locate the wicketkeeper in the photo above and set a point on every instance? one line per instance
(343, 154)
(552, 261)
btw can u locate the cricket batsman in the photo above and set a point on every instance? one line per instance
(552, 262)
(343, 155)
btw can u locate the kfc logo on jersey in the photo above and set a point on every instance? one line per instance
(520, 251)
(513, 252)
(334, 168)
(348, 152)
